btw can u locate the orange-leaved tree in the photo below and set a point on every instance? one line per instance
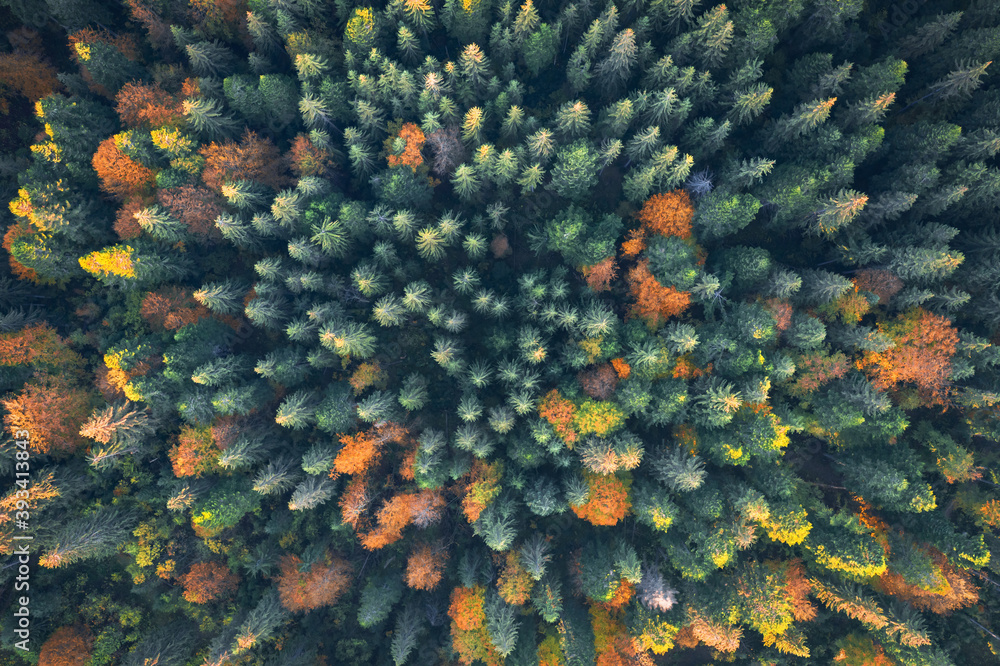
(404, 148)
(143, 105)
(25, 74)
(67, 646)
(425, 566)
(195, 452)
(251, 158)
(483, 487)
(120, 175)
(559, 411)
(196, 207)
(51, 408)
(207, 581)
(171, 308)
(925, 343)
(307, 159)
(320, 585)
(515, 582)
(607, 500)
(469, 636)
(600, 275)
(654, 302)
(668, 214)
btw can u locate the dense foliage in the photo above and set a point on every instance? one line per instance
(510, 333)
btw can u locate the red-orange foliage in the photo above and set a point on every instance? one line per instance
(360, 451)
(796, 589)
(126, 226)
(354, 502)
(560, 413)
(52, 409)
(600, 382)
(194, 453)
(308, 160)
(515, 582)
(19, 229)
(882, 283)
(321, 585)
(411, 157)
(686, 369)
(608, 500)
(393, 518)
(171, 308)
(635, 243)
(142, 105)
(990, 512)
(668, 214)
(925, 343)
(120, 175)
(38, 344)
(621, 367)
(781, 311)
(207, 581)
(197, 207)
(25, 74)
(954, 591)
(67, 646)
(157, 30)
(653, 301)
(500, 246)
(425, 566)
(600, 275)
(816, 368)
(469, 636)
(251, 158)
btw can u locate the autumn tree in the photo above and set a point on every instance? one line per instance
(425, 566)
(251, 158)
(654, 303)
(67, 646)
(121, 176)
(27, 75)
(195, 453)
(171, 308)
(142, 105)
(404, 148)
(924, 345)
(668, 214)
(196, 207)
(607, 499)
(307, 159)
(52, 408)
(208, 581)
(600, 382)
(320, 584)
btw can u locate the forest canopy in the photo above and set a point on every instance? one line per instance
(488, 332)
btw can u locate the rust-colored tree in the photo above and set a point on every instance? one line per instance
(469, 636)
(67, 646)
(882, 283)
(143, 105)
(600, 382)
(320, 585)
(27, 75)
(425, 566)
(600, 275)
(360, 451)
(950, 589)
(306, 159)
(171, 308)
(208, 581)
(196, 207)
(126, 226)
(120, 175)
(195, 453)
(412, 139)
(654, 303)
(52, 408)
(608, 500)
(252, 158)
(925, 343)
(560, 412)
(668, 214)
(39, 344)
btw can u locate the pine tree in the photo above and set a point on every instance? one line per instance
(95, 536)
